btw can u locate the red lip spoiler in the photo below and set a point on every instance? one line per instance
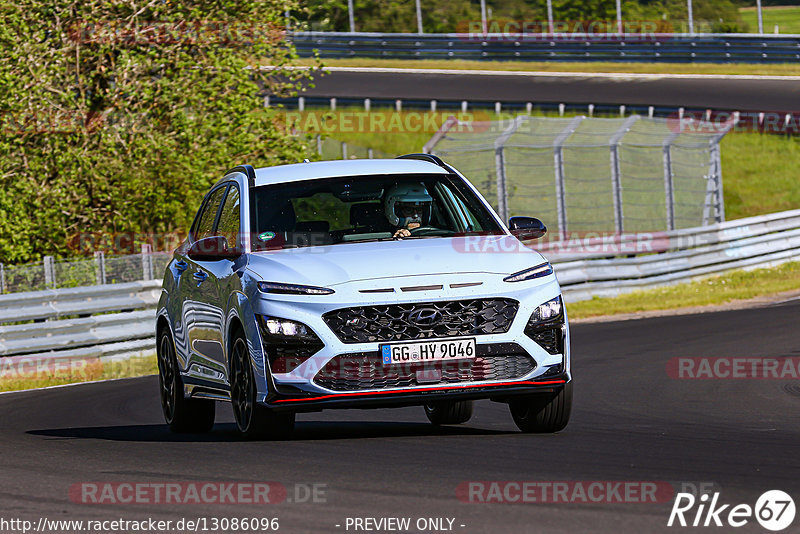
(415, 390)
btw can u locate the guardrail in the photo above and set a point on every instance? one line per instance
(81, 322)
(610, 266)
(117, 320)
(674, 48)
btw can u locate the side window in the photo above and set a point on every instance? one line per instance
(205, 224)
(228, 226)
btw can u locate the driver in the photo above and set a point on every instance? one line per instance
(407, 206)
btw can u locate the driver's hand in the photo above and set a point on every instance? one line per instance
(402, 232)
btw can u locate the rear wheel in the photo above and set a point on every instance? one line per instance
(180, 413)
(449, 412)
(254, 420)
(543, 413)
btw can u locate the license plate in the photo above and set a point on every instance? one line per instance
(428, 351)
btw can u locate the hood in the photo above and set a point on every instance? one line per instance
(348, 262)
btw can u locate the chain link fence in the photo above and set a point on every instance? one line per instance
(579, 174)
(330, 149)
(52, 274)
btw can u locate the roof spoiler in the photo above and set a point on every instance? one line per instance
(430, 158)
(248, 171)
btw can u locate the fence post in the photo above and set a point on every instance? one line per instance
(147, 261)
(2, 279)
(616, 173)
(319, 144)
(669, 192)
(717, 159)
(558, 167)
(100, 259)
(344, 150)
(49, 272)
(500, 170)
(500, 167)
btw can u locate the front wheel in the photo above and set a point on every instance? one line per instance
(449, 412)
(543, 413)
(254, 420)
(180, 413)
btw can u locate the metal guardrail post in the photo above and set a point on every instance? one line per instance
(558, 163)
(616, 180)
(100, 259)
(2, 278)
(48, 264)
(319, 144)
(344, 150)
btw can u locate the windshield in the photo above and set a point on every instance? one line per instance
(366, 208)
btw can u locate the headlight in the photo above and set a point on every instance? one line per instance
(292, 289)
(276, 329)
(539, 271)
(549, 311)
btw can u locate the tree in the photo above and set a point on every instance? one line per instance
(117, 116)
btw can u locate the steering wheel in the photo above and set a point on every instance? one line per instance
(422, 229)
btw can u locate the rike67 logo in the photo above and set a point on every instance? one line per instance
(774, 510)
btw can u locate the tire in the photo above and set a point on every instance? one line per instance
(543, 413)
(181, 414)
(254, 420)
(449, 412)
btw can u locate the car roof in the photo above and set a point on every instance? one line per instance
(354, 167)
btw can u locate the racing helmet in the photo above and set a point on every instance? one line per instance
(407, 203)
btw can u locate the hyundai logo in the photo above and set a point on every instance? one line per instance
(425, 317)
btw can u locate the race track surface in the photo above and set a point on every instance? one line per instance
(734, 93)
(631, 422)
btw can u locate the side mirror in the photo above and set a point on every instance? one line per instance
(212, 248)
(526, 228)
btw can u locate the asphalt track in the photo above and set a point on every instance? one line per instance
(631, 422)
(731, 93)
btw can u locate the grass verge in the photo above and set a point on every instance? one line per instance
(19, 374)
(787, 18)
(723, 289)
(745, 69)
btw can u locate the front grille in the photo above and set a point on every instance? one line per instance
(365, 370)
(398, 322)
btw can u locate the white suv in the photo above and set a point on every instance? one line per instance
(365, 283)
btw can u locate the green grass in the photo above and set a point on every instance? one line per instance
(786, 17)
(20, 378)
(781, 69)
(733, 286)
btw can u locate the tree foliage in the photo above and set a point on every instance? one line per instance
(118, 115)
